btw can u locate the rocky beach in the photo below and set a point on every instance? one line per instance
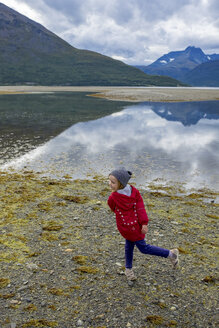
(62, 258)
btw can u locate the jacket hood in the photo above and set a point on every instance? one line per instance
(125, 202)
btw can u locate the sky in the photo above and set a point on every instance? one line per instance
(136, 32)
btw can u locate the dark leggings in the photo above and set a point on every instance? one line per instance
(143, 248)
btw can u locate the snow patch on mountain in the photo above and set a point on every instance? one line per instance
(163, 62)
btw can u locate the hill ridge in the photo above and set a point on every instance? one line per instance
(31, 54)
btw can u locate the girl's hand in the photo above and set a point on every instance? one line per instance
(144, 229)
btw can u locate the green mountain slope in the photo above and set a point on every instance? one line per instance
(29, 53)
(206, 74)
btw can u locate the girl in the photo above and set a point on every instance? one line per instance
(131, 219)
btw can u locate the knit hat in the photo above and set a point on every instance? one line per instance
(122, 175)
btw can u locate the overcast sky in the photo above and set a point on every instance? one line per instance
(134, 31)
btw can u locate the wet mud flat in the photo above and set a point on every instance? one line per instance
(62, 258)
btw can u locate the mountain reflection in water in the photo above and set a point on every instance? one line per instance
(188, 113)
(174, 142)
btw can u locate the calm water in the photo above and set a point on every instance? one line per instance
(162, 142)
(27, 121)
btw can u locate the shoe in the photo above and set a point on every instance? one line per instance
(175, 257)
(130, 274)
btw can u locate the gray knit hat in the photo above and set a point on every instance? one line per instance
(122, 175)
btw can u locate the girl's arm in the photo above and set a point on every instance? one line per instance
(111, 203)
(142, 214)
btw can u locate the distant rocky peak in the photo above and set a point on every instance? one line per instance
(193, 49)
(196, 55)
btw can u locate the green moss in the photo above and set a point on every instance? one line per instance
(30, 308)
(130, 308)
(96, 208)
(52, 226)
(87, 269)
(155, 319)
(47, 236)
(58, 292)
(13, 243)
(72, 288)
(7, 296)
(10, 257)
(184, 251)
(162, 305)
(172, 323)
(45, 206)
(4, 282)
(210, 279)
(80, 259)
(52, 307)
(212, 216)
(40, 323)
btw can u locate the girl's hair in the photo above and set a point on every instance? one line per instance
(120, 185)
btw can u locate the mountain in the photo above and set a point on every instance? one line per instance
(177, 64)
(29, 53)
(206, 74)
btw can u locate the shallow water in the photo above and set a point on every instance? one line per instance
(29, 120)
(159, 142)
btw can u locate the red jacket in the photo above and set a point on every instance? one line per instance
(130, 214)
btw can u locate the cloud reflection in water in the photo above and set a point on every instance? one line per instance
(150, 145)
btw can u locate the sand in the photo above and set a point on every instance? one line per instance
(132, 94)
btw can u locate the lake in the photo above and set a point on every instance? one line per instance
(71, 134)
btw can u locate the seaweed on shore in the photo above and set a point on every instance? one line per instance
(62, 258)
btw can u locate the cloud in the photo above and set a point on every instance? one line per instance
(135, 31)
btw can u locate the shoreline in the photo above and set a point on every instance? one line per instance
(131, 94)
(61, 256)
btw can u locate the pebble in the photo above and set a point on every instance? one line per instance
(14, 301)
(69, 250)
(28, 300)
(13, 325)
(121, 273)
(22, 288)
(130, 283)
(79, 323)
(32, 266)
(173, 308)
